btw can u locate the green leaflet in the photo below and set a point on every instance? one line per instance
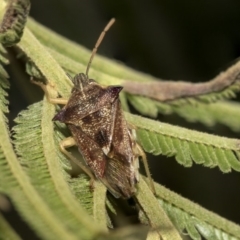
(186, 223)
(189, 217)
(44, 169)
(156, 216)
(208, 114)
(144, 105)
(15, 183)
(6, 176)
(211, 114)
(186, 145)
(229, 92)
(82, 191)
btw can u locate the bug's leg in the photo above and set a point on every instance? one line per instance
(69, 142)
(146, 167)
(46, 89)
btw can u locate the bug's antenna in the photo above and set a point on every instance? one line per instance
(111, 22)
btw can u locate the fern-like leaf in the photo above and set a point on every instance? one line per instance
(80, 188)
(187, 146)
(15, 184)
(211, 114)
(193, 226)
(190, 218)
(44, 168)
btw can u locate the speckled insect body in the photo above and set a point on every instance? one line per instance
(95, 118)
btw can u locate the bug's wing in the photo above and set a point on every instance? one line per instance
(93, 135)
(90, 150)
(119, 178)
(124, 164)
(121, 144)
(98, 126)
(98, 132)
(110, 171)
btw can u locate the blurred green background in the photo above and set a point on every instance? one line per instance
(177, 40)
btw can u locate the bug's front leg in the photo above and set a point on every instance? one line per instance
(47, 88)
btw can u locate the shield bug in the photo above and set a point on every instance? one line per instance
(107, 143)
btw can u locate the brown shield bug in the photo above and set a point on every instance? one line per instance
(107, 143)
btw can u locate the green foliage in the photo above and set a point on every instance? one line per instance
(13, 21)
(36, 176)
(201, 148)
(190, 218)
(192, 226)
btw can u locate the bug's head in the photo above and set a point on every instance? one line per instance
(80, 81)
